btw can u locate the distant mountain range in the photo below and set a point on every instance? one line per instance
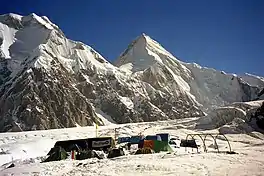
(48, 81)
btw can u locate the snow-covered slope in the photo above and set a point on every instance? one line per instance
(148, 60)
(214, 88)
(26, 156)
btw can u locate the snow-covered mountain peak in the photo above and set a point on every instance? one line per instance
(32, 19)
(11, 20)
(9, 16)
(142, 53)
(18, 21)
(35, 41)
(255, 76)
(21, 37)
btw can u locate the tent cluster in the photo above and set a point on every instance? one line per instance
(105, 147)
(80, 149)
(155, 143)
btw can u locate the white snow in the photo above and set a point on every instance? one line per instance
(39, 41)
(35, 18)
(127, 101)
(143, 53)
(38, 109)
(253, 80)
(8, 36)
(77, 125)
(16, 16)
(87, 79)
(25, 145)
(127, 68)
(107, 120)
(213, 88)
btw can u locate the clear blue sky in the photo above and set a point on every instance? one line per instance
(224, 34)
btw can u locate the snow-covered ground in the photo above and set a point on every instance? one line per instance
(27, 148)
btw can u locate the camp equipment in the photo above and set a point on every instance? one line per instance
(123, 139)
(116, 152)
(135, 139)
(144, 151)
(156, 145)
(203, 136)
(100, 143)
(55, 154)
(85, 154)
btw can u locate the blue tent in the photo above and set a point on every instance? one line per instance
(135, 139)
(123, 140)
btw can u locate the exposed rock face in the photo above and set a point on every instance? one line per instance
(48, 81)
(36, 101)
(261, 93)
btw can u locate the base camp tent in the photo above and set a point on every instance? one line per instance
(157, 146)
(56, 154)
(100, 143)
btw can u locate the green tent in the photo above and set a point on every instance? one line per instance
(56, 154)
(162, 146)
(157, 146)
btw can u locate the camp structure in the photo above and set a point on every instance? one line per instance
(189, 143)
(132, 139)
(123, 139)
(99, 143)
(57, 153)
(116, 152)
(85, 154)
(156, 143)
(157, 146)
(136, 139)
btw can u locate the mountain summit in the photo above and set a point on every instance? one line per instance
(204, 86)
(48, 81)
(142, 52)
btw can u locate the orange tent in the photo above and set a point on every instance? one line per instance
(148, 143)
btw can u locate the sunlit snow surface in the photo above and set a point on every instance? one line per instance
(25, 145)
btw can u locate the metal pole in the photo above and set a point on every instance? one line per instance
(96, 130)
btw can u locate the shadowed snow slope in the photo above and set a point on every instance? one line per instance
(48, 81)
